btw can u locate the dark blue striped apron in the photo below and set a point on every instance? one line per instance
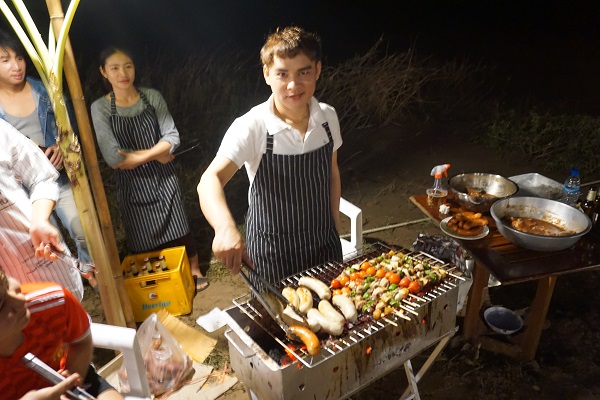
(149, 196)
(289, 226)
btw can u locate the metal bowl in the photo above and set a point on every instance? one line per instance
(552, 211)
(502, 320)
(495, 185)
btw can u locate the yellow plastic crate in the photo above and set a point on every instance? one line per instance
(172, 290)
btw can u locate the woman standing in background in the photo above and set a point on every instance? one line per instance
(137, 136)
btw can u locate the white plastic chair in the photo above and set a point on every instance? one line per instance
(351, 248)
(125, 340)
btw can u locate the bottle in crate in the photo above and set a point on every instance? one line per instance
(172, 289)
(157, 267)
(128, 272)
(148, 265)
(144, 272)
(134, 269)
(163, 263)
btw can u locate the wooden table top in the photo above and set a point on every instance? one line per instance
(513, 264)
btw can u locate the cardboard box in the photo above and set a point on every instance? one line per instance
(172, 290)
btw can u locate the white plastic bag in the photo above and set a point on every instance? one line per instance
(166, 362)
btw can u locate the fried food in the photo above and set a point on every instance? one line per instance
(467, 223)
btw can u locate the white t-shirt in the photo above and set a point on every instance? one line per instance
(245, 141)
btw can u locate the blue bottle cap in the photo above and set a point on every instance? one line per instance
(575, 171)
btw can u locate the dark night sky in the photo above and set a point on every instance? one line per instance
(537, 42)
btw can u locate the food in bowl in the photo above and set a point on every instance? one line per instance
(551, 211)
(477, 191)
(537, 226)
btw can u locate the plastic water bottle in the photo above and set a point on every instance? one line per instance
(571, 190)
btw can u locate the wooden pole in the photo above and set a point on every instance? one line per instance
(104, 251)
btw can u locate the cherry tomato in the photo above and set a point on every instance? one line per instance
(354, 276)
(335, 284)
(337, 292)
(394, 278)
(371, 271)
(380, 273)
(343, 279)
(346, 290)
(365, 265)
(404, 282)
(388, 274)
(414, 287)
(363, 274)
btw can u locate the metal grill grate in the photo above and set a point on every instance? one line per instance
(366, 326)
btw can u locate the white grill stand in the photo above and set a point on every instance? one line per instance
(412, 391)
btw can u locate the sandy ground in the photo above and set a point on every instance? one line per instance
(380, 180)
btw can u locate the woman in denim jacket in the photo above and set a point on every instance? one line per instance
(25, 104)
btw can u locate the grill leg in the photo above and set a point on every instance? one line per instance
(412, 382)
(414, 379)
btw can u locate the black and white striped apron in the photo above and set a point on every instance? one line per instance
(149, 196)
(289, 226)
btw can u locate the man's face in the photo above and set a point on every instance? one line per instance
(293, 81)
(12, 67)
(14, 315)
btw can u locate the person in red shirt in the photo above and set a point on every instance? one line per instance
(46, 320)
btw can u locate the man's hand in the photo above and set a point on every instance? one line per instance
(56, 392)
(55, 156)
(45, 238)
(230, 250)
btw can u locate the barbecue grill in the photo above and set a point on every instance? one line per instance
(273, 367)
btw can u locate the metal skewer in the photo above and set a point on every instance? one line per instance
(76, 263)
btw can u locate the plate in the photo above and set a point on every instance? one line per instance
(448, 231)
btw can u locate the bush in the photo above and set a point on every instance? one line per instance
(559, 141)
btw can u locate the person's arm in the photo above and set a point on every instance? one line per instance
(42, 232)
(80, 356)
(228, 245)
(39, 177)
(109, 147)
(160, 152)
(54, 392)
(79, 336)
(336, 190)
(168, 130)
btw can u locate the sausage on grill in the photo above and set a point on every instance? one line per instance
(306, 336)
(320, 288)
(305, 299)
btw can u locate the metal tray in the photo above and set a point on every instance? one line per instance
(536, 185)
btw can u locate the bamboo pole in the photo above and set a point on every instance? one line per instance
(56, 14)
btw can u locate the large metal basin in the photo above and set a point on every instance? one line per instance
(491, 184)
(552, 211)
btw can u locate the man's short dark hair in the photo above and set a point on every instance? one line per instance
(288, 43)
